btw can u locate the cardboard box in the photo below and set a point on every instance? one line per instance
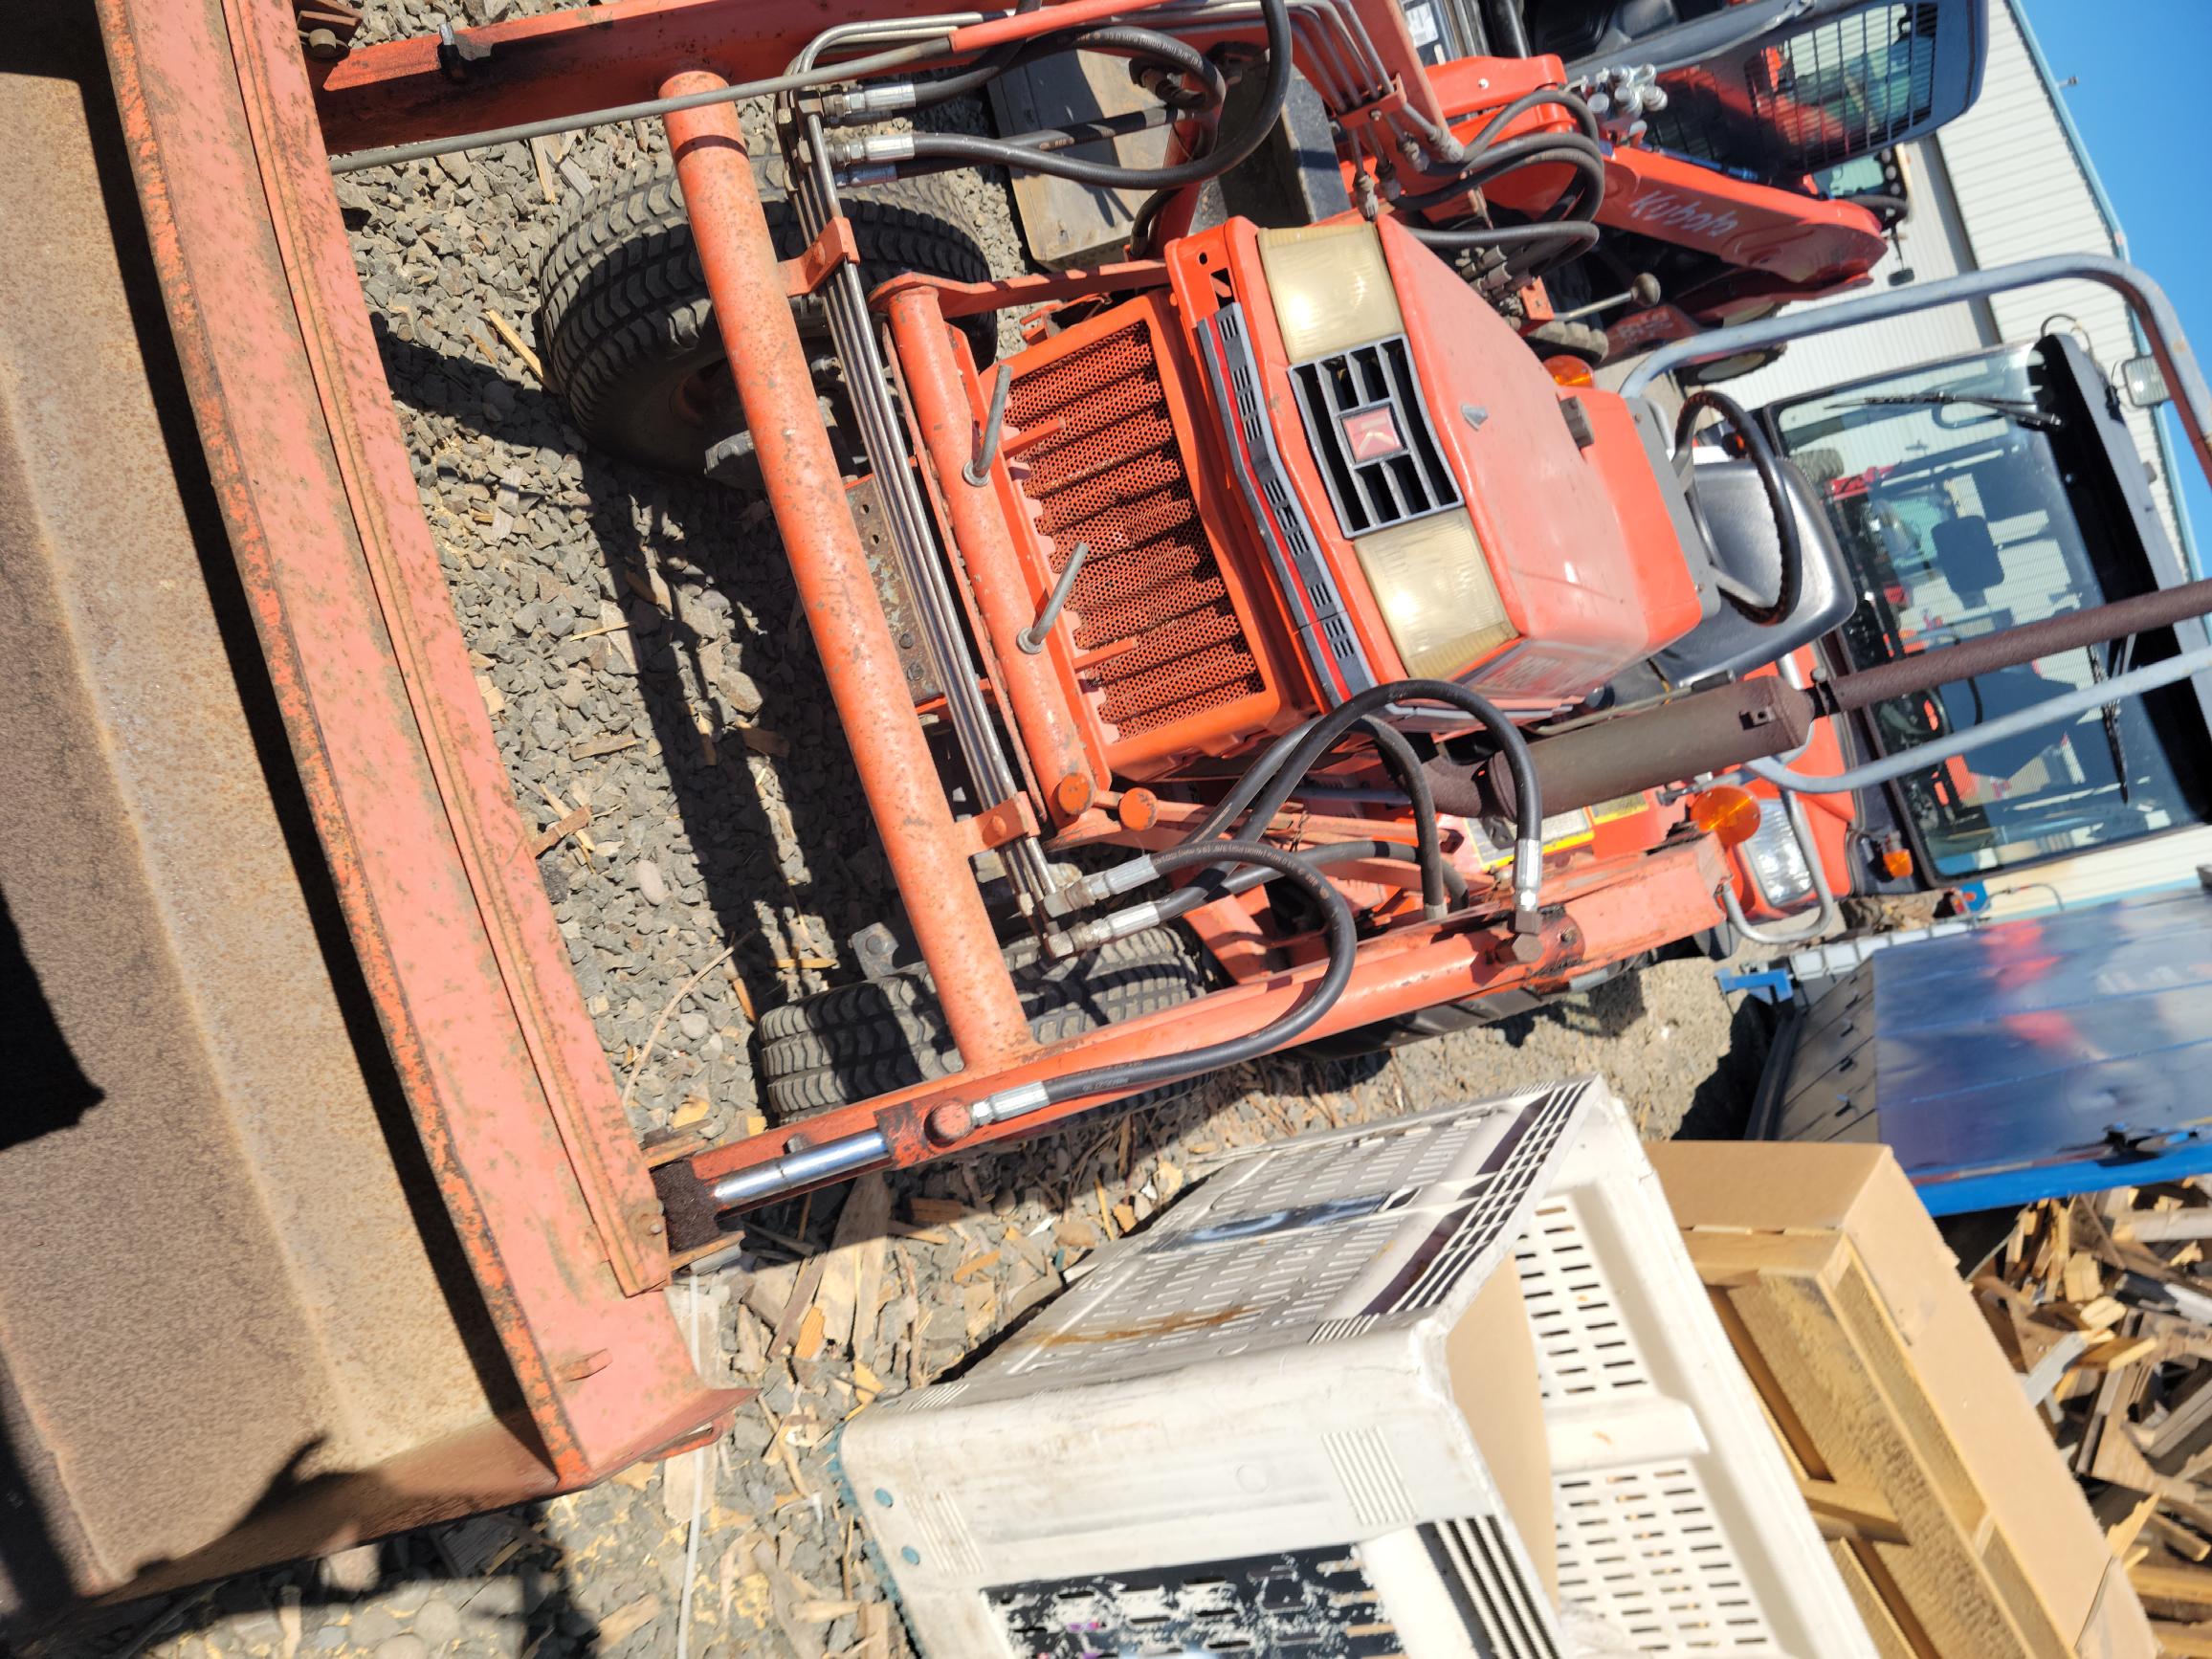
(2002, 1446)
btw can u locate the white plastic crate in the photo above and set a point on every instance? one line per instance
(1248, 1429)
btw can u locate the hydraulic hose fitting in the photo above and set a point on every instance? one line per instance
(1528, 876)
(867, 103)
(877, 150)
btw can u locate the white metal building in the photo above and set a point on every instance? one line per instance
(2009, 180)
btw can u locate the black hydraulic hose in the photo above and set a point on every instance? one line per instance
(1554, 241)
(1150, 46)
(1320, 735)
(1130, 1076)
(929, 94)
(827, 74)
(1540, 149)
(1404, 766)
(1196, 170)
(1586, 119)
(1047, 140)
(1788, 544)
(1213, 885)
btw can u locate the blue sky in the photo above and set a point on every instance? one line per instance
(2144, 132)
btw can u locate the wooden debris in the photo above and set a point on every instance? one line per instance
(591, 748)
(516, 345)
(623, 1623)
(928, 1211)
(857, 1242)
(559, 830)
(975, 1265)
(2104, 1286)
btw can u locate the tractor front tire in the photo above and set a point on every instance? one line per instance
(627, 329)
(858, 1041)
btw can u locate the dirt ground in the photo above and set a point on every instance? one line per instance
(638, 643)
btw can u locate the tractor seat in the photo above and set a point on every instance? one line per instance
(1730, 508)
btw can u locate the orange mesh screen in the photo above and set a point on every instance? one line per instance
(1113, 477)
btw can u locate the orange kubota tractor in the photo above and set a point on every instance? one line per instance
(1273, 602)
(1272, 649)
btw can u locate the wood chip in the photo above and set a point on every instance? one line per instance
(930, 1210)
(2111, 1356)
(559, 830)
(859, 1235)
(516, 345)
(623, 1623)
(800, 1305)
(591, 748)
(973, 1266)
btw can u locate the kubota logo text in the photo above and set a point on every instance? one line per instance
(1666, 211)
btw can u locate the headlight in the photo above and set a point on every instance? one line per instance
(1331, 288)
(1778, 863)
(1435, 587)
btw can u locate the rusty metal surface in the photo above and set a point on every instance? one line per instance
(569, 60)
(426, 850)
(828, 567)
(864, 500)
(216, 1278)
(942, 396)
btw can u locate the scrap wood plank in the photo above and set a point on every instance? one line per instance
(2180, 1540)
(1821, 1329)
(2172, 1581)
(2182, 1641)
(860, 1225)
(1880, 1603)
(1851, 1511)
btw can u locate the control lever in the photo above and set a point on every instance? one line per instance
(1032, 639)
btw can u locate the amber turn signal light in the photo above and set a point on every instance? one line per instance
(1726, 811)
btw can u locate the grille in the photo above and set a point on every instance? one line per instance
(1373, 385)
(1483, 1573)
(1841, 89)
(1150, 590)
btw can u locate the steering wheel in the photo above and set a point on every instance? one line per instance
(1763, 462)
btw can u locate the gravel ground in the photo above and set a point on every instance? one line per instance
(638, 643)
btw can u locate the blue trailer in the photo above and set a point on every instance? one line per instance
(2054, 1055)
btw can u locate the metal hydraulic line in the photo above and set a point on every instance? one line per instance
(858, 658)
(867, 376)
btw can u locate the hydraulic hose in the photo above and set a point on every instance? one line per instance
(1404, 766)
(1118, 39)
(829, 73)
(2071, 705)
(1537, 149)
(1553, 241)
(1130, 1076)
(1135, 918)
(966, 150)
(1558, 96)
(849, 1154)
(1321, 735)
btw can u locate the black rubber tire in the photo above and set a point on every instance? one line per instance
(1576, 340)
(858, 1041)
(627, 328)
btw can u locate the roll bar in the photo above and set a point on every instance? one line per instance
(2162, 326)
